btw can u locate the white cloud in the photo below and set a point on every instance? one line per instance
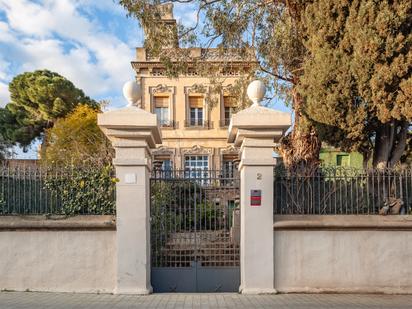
(4, 94)
(55, 35)
(68, 37)
(5, 32)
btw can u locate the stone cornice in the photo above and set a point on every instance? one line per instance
(150, 65)
(342, 222)
(89, 222)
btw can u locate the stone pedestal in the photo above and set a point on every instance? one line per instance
(133, 133)
(255, 130)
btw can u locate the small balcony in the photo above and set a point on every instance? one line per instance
(224, 123)
(168, 124)
(198, 124)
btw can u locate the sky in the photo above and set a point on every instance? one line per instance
(90, 42)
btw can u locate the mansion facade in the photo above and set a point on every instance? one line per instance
(194, 132)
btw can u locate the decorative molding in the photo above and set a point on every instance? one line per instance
(212, 54)
(137, 66)
(228, 89)
(230, 149)
(162, 88)
(197, 150)
(162, 150)
(196, 88)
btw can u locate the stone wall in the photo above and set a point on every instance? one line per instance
(72, 255)
(368, 254)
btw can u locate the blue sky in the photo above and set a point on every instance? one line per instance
(90, 42)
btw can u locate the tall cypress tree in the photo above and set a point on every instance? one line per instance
(357, 82)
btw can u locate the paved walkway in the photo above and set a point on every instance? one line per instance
(32, 300)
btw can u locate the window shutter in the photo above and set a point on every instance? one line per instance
(196, 102)
(229, 101)
(161, 101)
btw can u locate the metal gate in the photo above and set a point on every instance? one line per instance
(195, 231)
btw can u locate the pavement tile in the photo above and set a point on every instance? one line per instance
(36, 300)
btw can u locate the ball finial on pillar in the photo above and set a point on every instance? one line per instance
(132, 92)
(256, 91)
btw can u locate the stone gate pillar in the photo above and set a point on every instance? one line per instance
(255, 130)
(133, 133)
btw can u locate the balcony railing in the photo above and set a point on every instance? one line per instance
(224, 122)
(168, 124)
(204, 124)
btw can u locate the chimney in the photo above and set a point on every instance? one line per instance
(165, 27)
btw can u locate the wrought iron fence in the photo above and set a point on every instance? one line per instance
(224, 122)
(43, 190)
(205, 177)
(192, 218)
(343, 191)
(195, 123)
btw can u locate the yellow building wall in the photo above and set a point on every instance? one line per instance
(182, 139)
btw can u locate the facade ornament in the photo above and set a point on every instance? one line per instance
(161, 88)
(219, 55)
(229, 89)
(162, 150)
(197, 150)
(230, 149)
(196, 88)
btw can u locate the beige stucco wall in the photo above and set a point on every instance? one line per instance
(178, 97)
(214, 138)
(57, 260)
(329, 258)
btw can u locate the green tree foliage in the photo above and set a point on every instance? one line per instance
(358, 81)
(77, 140)
(270, 29)
(37, 99)
(5, 150)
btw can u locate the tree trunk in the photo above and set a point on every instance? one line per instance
(399, 145)
(390, 144)
(365, 159)
(300, 148)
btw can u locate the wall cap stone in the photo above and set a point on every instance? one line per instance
(342, 222)
(84, 222)
(260, 120)
(131, 122)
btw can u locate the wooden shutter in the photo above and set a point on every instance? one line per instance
(195, 101)
(161, 101)
(229, 101)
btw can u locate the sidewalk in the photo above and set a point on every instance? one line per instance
(34, 300)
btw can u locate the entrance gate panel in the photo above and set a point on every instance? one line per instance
(195, 231)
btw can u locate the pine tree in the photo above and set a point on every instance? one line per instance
(37, 99)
